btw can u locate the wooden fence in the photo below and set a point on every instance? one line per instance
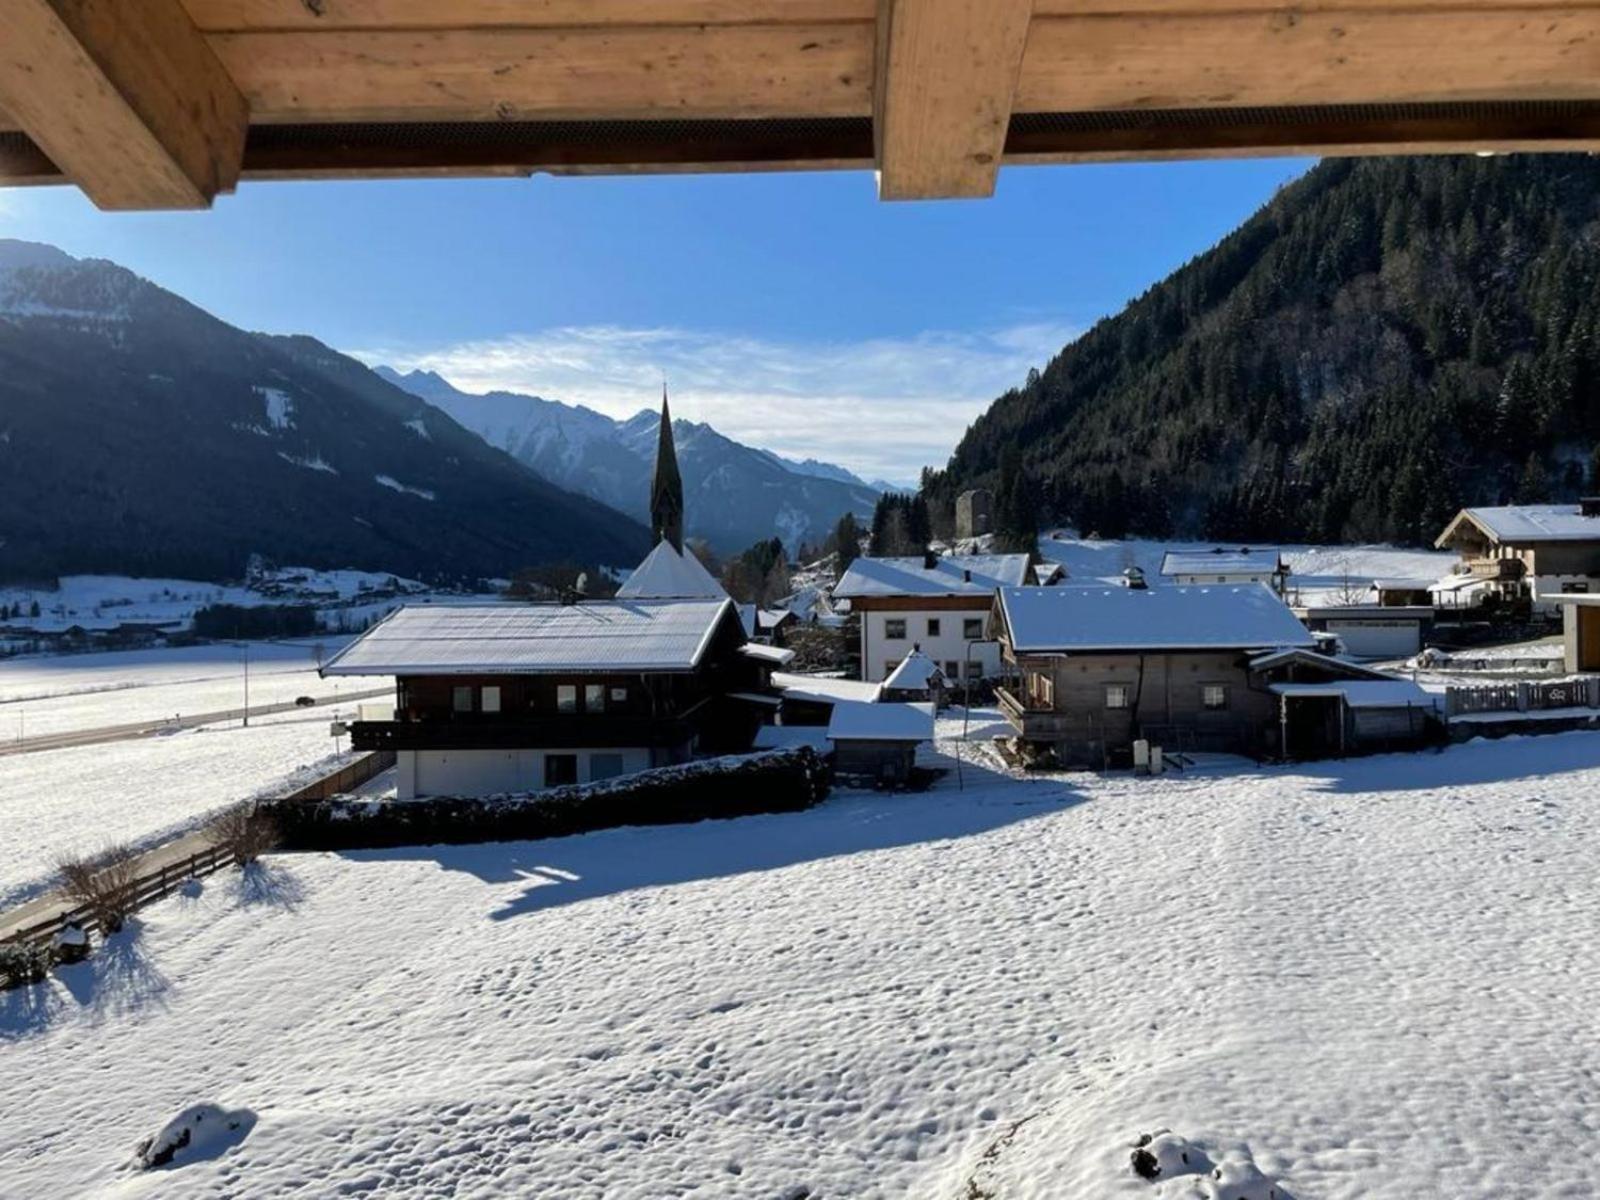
(1523, 696)
(157, 885)
(346, 778)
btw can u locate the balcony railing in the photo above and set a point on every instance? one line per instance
(520, 733)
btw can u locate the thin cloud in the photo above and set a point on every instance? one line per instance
(884, 407)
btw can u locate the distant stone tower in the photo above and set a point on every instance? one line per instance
(666, 486)
(974, 513)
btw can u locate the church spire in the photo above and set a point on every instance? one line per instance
(666, 487)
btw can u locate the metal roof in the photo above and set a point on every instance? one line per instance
(1077, 618)
(1221, 562)
(597, 637)
(952, 575)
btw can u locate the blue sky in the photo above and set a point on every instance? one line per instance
(791, 311)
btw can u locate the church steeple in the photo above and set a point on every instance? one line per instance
(666, 486)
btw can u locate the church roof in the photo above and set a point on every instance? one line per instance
(669, 574)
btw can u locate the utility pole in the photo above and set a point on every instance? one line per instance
(246, 646)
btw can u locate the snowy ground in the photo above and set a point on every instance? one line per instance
(56, 693)
(144, 791)
(1367, 979)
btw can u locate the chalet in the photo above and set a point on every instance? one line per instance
(1580, 628)
(1199, 568)
(503, 698)
(939, 603)
(1528, 553)
(1091, 668)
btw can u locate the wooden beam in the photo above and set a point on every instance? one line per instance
(524, 74)
(126, 98)
(946, 71)
(238, 16)
(1302, 58)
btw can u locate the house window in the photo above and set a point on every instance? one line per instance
(895, 629)
(933, 626)
(461, 699)
(889, 664)
(594, 697)
(1117, 695)
(972, 629)
(604, 766)
(567, 697)
(1213, 696)
(1574, 589)
(491, 700)
(974, 669)
(560, 769)
(952, 671)
(619, 695)
(1041, 689)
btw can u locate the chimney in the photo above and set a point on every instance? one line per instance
(930, 559)
(966, 574)
(1589, 506)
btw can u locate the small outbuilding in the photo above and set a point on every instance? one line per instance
(1353, 716)
(876, 744)
(916, 680)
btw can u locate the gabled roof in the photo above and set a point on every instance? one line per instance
(481, 639)
(914, 674)
(1336, 666)
(824, 689)
(1519, 524)
(1221, 561)
(954, 575)
(1078, 618)
(852, 720)
(762, 653)
(669, 574)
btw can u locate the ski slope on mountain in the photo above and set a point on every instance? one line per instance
(1371, 978)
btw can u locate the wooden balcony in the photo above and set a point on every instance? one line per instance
(600, 732)
(1507, 570)
(1034, 722)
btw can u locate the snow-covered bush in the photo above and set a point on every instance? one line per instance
(1183, 1169)
(200, 1131)
(107, 884)
(22, 964)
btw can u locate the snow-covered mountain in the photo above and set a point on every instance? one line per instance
(734, 494)
(139, 435)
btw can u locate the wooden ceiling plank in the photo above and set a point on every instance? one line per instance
(519, 74)
(128, 100)
(946, 71)
(235, 16)
(1085, 8)
(1369, 57)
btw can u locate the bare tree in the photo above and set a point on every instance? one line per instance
(107, 884)
(248, 834)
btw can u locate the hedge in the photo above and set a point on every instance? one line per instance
(786, 780)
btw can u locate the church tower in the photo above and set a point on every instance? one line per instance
(666, 486)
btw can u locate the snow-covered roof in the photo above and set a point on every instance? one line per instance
(1075, 618)
(853, 720)
(670, 574)
(1276, 658)
(1221, 561)
(1518, 523)
(914, 674)
(955, 575)
(825, 689)
(603, 635)
(781, 737)
(771, 654)
(1362, 693)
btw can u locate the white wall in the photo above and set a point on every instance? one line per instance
(949, 645)
(488, 772)
(1547, 587)
(1212, 578)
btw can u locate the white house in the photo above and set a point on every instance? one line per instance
(1196, 568)
(940, 604)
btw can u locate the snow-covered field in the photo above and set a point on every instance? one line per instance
(143, 791)
(57, 693)
(1373, 978)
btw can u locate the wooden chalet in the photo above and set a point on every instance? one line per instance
(1527, 553)
(169, 103)
(514, 698)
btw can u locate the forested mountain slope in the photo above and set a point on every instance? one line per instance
(1385, 341)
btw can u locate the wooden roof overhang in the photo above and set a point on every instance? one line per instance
(166, 103)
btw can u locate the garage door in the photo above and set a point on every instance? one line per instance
(1378, 639)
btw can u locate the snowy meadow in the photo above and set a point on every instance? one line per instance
(1353, 979)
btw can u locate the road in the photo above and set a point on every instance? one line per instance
(154, 728)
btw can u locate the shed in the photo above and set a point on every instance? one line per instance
(876, 744)
(917, 678)
(1353, 716)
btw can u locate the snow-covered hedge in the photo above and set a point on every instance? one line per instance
(773, 781)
